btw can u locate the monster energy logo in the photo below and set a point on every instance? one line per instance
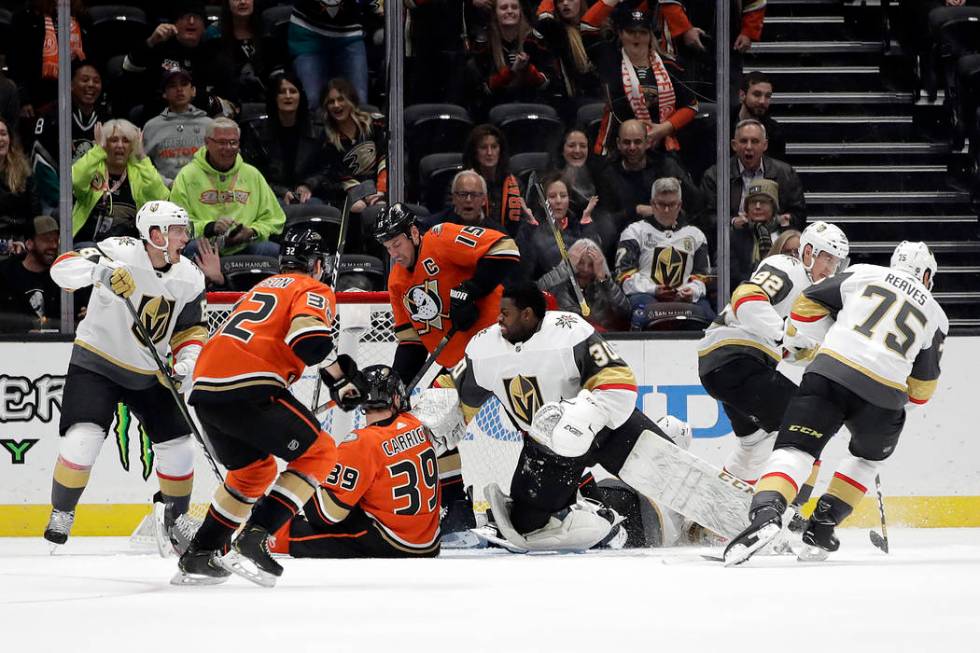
(121, 428)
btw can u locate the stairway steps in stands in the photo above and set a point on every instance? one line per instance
(888, 197)
(791, 80)
(875, 178)
(797, 28)
(864, 227)
(816, 47)
(847, 128)
(868, 153)
(841, 97)
(938, 247)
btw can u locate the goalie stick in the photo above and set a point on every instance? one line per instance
(429, 361)
(562, 251)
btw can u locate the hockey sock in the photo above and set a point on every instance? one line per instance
(284, 500)
(68, 484)
(176, 491)
(228, 510)
(451, 479)
(807, 488)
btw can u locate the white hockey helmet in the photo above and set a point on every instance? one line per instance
(163, 215)
(915, 258)
(825, 237)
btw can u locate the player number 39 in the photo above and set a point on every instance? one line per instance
(347, 477)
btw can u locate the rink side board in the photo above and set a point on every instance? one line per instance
(932, 480)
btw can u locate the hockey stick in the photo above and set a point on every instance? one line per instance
(338, 252)
(429, 361)
(565, 262)
(169, 383)
(880, 541)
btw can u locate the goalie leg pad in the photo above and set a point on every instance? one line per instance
(679, 480)
(750, 454)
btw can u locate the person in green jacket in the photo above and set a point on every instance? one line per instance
(111, 182)
(229, 200)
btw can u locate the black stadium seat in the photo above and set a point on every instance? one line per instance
(589, 118)
(114, 30)
(242, 271)
(528, 127)
(362, 272)
(436, 172)
(525, 163)
(275, 21)
(433, 128)
(322, 218)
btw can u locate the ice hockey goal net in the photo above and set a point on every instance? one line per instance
(364, 330)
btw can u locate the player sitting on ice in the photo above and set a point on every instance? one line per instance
(382, 498)
(881, 334)
(575, 397)
(241, 394)
(110, 362)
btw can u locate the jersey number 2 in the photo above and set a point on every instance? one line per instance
(234, 327)
(429, 476)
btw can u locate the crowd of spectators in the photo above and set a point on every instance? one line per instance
(269, 114)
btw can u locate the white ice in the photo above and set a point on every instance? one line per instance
(95, 595)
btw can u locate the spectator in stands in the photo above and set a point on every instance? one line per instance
(750, 164)
(486, 152)
(660, 260)
(241, 60)
(173, 45)
(89, 107)
(326, 41)
(536, 240)
(172, 138)
(228, 199)
(18, 196)
(29, 299)
(9, 101)
(355, 150)
(573, 161)
(111, 181)
(469, 196)
(643, 85)
(513, 65)
(287, 146)
(609, 308)
(32, 53)
(624, 182)
(788, 242)
(754, 97)
(570, 29)
(755, 229)
(208, 259)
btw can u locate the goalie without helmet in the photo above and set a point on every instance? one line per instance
(241, 394)
(575, 397)
(381, 500)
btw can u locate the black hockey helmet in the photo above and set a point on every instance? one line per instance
(392, 221)
(300, 248)
(385, 388)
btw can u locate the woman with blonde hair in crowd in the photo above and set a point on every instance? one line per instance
(111, 181)
(787, 243)
(18, 197)
(609, 308)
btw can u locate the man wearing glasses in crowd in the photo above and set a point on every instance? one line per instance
(469, 196)
(229, 200)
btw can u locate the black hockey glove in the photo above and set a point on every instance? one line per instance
(462, 306)
(350, 390)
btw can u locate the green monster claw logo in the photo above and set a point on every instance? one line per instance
(120, 428)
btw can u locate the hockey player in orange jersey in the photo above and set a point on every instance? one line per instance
(382, 498)
(242, 399)
(447, 280)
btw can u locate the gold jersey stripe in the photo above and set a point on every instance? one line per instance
(449, 464)
(331, 508)
(293, 485)
(863, 370)
(921, 391)
(620, 375)
(115, 361)
(846, 492)
(303, 322)
(176, 487)
(69, 477)
(748, 290)
(504, 247)
(738, 342)
(777, 483)
(231, 506)
(226, 387)
(196, 332)
(469, 412)
(407, 334)
(808, 309)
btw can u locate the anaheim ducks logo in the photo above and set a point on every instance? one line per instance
(668, 268)
(524, 396)
(424, 305)
(155, 314)
(361, 158)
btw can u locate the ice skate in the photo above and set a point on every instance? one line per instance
(200, 567)
(58, 528)
(250, 557)
(818, 534)
(766, 524)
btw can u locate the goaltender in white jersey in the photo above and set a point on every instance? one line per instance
(575, 398)
(110, 362)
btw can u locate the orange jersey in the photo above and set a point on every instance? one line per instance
(448, 256)
(389, 469)
(254, 351)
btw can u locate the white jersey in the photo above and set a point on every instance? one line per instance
(563, 357)
(169, 302)
(649, 257)
(752, 323)
(881, 330)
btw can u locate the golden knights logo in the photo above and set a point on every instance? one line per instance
(668, 267)
(156, 314)
(524, 396)
(424, 305)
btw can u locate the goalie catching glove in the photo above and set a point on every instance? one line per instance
(349, 390)
(438, 409)
(568, 427)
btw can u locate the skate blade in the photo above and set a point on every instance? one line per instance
(241, 566)
(53, 547)
(180, 578)
(490, 539)
(164, 547)
(461, 540)
(810, 553)
(739, 553)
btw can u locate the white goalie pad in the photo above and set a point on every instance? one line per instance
(670, 476)
(581, 527)
(438, 409)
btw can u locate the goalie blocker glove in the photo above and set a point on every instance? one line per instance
(349, 390)
(462, 306)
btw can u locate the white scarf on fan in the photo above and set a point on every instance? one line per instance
(666, 98)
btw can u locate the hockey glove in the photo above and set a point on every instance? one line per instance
(462, 307)
(118, 279)
(350, 390)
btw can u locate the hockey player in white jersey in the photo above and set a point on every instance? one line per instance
(110, 362)
(738, 355)
(881, 335)
(575, 398)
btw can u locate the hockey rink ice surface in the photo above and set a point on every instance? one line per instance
(96, 595)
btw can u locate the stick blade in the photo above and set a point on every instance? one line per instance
(878, 540)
